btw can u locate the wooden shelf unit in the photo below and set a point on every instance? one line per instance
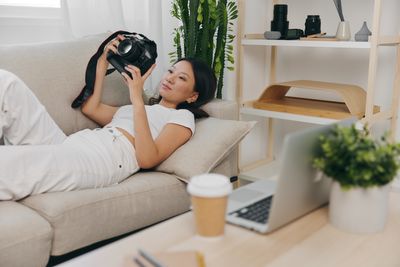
(282, 107)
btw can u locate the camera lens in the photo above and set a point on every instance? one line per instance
(129, 49)
(280, 22)
(126, 48)
(280, 12)
(313, 25)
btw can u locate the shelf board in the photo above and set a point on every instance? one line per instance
(307, 43)
(308, 107)
(248, 110)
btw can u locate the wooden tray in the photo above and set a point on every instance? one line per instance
(274, 98)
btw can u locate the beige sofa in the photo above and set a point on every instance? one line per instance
(57, 223)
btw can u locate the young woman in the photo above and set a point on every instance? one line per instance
(38, 157)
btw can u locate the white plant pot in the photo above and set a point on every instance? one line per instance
(359, 210)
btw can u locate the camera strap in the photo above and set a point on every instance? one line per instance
(90, 75)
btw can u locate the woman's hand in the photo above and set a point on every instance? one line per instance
(111, 46)
(135, 84)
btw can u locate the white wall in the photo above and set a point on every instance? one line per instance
(22, 25)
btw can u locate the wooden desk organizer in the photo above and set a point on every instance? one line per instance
(274, 98)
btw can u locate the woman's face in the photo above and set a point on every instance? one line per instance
(177, 85)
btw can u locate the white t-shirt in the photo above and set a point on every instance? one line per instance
(157, 115)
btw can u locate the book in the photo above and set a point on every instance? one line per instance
(169, 259)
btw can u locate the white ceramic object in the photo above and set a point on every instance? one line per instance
(359, 210)
(343, 31)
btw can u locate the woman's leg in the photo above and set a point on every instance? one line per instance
(27, 170)
(87, 159)
(23, 119)
(31, 170)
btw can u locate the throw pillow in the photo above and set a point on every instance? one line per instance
(213, 140)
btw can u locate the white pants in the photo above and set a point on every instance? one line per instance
(38, 157)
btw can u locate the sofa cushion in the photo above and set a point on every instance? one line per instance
(222, 109)
(55, 72)
(25, 237)
(212, 141)
(80, 218)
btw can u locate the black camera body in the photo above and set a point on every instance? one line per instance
(136, 49)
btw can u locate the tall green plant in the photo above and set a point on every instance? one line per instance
(206, 32)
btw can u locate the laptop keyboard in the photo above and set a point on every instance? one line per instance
(257, 212)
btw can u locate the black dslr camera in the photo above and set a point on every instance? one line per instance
(135, 50)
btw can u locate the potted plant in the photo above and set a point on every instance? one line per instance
(361, 168)
(206, 32)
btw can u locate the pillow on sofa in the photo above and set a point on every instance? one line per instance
(213, 140)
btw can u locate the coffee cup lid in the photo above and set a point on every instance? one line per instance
(209, 185)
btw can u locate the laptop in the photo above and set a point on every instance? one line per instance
(297, 189)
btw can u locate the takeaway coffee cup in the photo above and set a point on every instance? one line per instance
(209, 194)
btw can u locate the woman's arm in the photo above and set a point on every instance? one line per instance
(93, 108)
(149, 152)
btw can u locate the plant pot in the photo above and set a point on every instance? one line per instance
(359, 210)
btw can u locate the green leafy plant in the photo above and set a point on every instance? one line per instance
(354, 159)
(206, 32)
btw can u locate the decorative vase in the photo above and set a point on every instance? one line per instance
(359, 210)
(363, 34)
(343, 31)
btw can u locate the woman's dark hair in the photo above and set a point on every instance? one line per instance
(205, 84)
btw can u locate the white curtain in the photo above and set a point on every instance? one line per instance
(150, 17)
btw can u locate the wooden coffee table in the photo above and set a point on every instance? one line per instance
(308, 241)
